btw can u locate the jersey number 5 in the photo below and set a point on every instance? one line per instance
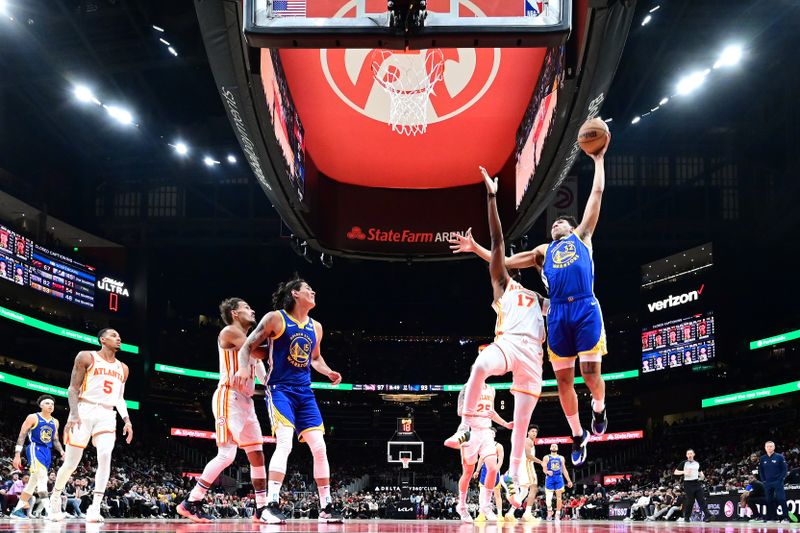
(525, 300)
(108, 387)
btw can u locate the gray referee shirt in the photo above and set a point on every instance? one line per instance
(691, 470)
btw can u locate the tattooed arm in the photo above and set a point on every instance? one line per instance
(269, 327)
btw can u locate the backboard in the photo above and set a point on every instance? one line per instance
(370, 24)
(396, 449)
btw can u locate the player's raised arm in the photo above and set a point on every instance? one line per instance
(265, 329)
(497, 262)
(592, 211)
(318, 363)
(82, 363)
(530, 258)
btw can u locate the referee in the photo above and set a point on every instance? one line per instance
(692, 475)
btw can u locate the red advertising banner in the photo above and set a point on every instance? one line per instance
(200, 434)
(192, 475)
(613, 479)
(622, 435)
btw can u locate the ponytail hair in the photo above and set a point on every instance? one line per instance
(282, 297)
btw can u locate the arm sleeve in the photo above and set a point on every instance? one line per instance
(261, 373)
(122, 407)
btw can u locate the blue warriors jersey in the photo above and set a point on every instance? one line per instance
(555, 464)
(291, 352)
(41, 441)
(568, 271)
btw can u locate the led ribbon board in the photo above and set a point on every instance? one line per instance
(204, 374)
(29, 384)
(755, 394)
(58, 330)
(777, 339)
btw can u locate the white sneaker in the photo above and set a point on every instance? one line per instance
(55, 514)
(459, 438)
(681, 519)
(93, 515)
(487, 515)
(463, 513)
(527, 516)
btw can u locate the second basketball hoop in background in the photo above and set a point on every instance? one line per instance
(409, 77)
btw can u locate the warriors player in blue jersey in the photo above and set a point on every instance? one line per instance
(575, 322)
(556, 472)
(41, 431)
(295, 348)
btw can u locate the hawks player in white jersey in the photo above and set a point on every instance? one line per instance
(480, 445)
(234, 414)
(519, 333)
(96, 389)
(532, 480)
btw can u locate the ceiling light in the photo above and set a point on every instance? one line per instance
(231, 159)
(730, 56)
(172, 51)
(209, 161)
(689, 83)
(154, 27)
(82, 92)
(663, 101)
(181, 148)
(636, 120)
(122, 115)
(646, 20)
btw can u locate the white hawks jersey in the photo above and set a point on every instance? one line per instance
(518, 313)
(104, 382)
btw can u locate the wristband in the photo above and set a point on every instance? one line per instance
(492, 194)
(17, 448)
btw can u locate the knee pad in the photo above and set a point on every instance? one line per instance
(258, 472)
(227, 453)
(283, 447)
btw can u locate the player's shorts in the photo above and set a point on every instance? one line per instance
(96, 419)
(554, 483)
(530, 471)
(575, 329)
(38, 455)
(235, 420)
(480, 444)
(523, 357)
(482, 477)
(295, 407)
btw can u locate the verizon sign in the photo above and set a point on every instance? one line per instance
(672, 301)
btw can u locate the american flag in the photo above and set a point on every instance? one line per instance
(289, 8)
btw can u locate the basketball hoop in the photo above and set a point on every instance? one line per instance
(405, 461)
(408, 77)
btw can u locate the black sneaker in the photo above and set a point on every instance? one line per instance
(330, 516)
(271, 514)
(194, 511)
(599, 422)
(579, 451)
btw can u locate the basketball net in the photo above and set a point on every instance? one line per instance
(405, 461)
(409, 78)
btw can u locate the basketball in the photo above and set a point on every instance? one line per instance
(260, 352)
(593, 136)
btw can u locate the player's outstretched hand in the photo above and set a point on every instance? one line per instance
(601, 154)
(335, 377)
(475, 475)
(462, 243)
(569, 484)
(127, 431)
(240, 379)
(491, 184)
(74, 421)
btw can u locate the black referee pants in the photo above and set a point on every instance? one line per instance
(694, 491)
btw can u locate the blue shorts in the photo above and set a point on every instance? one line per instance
(482, 478)
(41, 454)
(575, 329)
(295, 407)
(554, 483)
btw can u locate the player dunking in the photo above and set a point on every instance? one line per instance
(96, 388)
(41, 430)
(295, 349)
(481, 445)
(517, 347)
(234, 414)
(575, 322)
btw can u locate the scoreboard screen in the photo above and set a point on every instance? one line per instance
(405, 426)
(678, 343)
(28, 264)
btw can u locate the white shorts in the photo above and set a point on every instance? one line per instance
(480, 444)
(235, 420)
(523, 357)
(530, 475)
(95, 420)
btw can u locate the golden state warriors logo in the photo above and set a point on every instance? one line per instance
(564, 254)
(299, 350)
(46, 435)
